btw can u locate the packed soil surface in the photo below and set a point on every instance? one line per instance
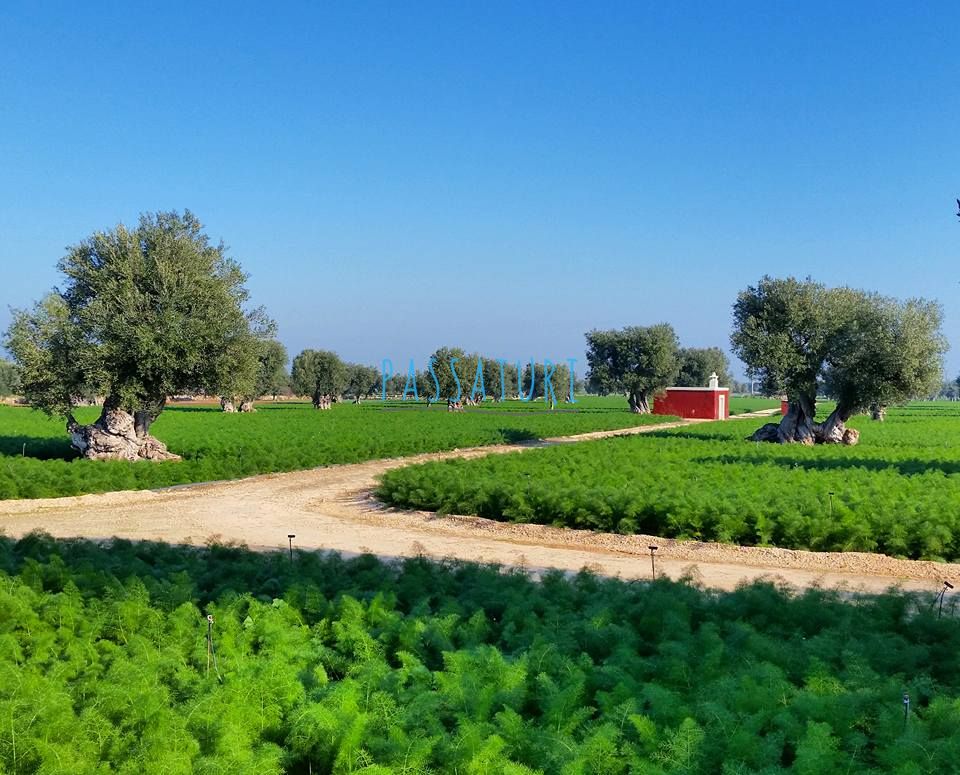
(333, 508)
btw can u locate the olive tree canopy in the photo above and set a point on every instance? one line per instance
(319, 373)
(362, 380)
(447, 376)
(638, 361)
(865, 350)
(698, 363)
(144, 313)
(443, 382)
(559, 381)
(269, 378)
(9, 379)
(272, 375)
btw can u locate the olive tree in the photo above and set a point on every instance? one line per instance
(466, 366)
(362, 381)
(396, 384)
(272, 376)
(488, 383)
(447, 375)
(638, 361)
(892, 351)
(268, 380)
(698, 363)
(9, 379)
(144, 313)
(559, 381)
(508, 386)
(318, 373)
(863, 349)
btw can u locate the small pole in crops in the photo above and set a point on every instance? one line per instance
(211, 651)
(290, 537)
(943, 593)
(209, 640)
(831, 503)
(23, 452)
(653, 563)
(906, 707)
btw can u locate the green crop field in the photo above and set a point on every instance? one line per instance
(744, 404)
(36, 459)
(326, 664)
(897, 492)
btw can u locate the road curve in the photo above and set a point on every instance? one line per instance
(333, 508)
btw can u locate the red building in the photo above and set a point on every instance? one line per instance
(700, 403)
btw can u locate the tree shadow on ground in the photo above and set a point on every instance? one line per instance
(695, 434)
(517, 435)
(38, 447)
(908, 467)
(175, 574)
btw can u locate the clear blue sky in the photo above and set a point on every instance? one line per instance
(504, 177)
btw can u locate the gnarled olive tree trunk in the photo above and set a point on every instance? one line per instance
(237, 404)
(119, 435)
(638, 402)
(322, 401)
(797, 426)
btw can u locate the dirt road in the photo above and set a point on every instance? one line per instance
(332, 508)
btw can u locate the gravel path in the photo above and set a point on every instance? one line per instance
(333, 508)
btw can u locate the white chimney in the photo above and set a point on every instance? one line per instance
(714, 381)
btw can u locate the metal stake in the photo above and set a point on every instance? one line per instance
(943, 593)
(209, 640)
(211, 651)
(653, 564)
(290, 537)
(906, 707)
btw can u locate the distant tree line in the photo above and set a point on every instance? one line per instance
(451, 373)
(949, 390)
(455, 372)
